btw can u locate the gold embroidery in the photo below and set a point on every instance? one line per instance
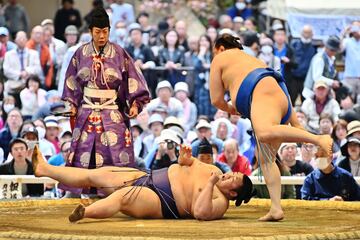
(85, 159)
(109, 51)
(124, 158)
(76, 134)
(84, 137)
(99, 160)
(84, 73)
(108, 138)
(133, 85)
(111, 74)
(87, 50)
(74, 61)
(115, 117)
(70, 83)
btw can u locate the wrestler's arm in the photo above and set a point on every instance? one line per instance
(207, 206)
(217, 90)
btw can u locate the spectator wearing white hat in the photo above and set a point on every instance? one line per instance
(156, 125)
(4, 39)
(167, 152)
(52, 131)
(173, 106)
(190, 111)
(353, 129)
(222, 129)
(321, 103)
(203, 129)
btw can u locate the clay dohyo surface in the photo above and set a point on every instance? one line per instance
(47, 219)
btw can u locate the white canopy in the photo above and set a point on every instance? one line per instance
(328, 17)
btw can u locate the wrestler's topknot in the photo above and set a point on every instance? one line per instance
(228, 41)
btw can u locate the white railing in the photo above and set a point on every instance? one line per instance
(10, 185)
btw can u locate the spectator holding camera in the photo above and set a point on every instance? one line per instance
(167, 152)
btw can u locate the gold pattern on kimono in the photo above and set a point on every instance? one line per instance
(109, 51)
(115, 117)
(74, 61)
(133, 85)
(84, 136)
(111, 74)
(99, 160)
(76, 134)
(84, 73)
(70, 83)
(87, 50)
(108, 138)
(124, 158)
(85, 159)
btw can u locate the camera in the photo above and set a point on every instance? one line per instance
(170, 145)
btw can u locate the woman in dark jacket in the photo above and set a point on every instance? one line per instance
(171, 56)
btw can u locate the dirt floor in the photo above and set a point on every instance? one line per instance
(48, 220)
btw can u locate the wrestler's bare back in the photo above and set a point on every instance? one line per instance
(230, 67)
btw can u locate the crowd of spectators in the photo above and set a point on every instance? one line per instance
(176, 67)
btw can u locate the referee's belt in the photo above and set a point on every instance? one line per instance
(109, 94)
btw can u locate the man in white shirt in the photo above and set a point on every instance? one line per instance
(19, 64)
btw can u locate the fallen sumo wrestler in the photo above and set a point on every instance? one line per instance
(190, 189)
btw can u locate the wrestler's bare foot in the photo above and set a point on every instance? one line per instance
(326, 144)
(77, 214)
(273, 216)
(38, 162)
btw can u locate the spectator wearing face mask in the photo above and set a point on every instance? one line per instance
(267, 54)
(330, 182)
(46, 147)
(241, 8)
(304, 50)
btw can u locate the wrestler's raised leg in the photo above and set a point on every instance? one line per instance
(108, 178)
(138, 202)
(267, 109)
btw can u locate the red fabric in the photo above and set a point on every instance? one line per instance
(45, 59)
(241, 165)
